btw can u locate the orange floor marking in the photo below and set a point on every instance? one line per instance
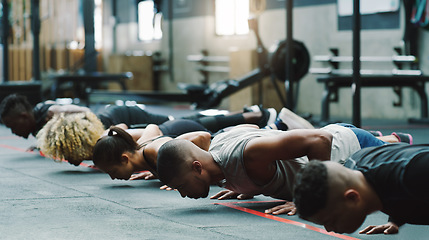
(41, 154)
(279, 219)
(234, 206)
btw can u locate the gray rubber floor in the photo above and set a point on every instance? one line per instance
(43, 199)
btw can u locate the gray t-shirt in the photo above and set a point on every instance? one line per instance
(227, 150)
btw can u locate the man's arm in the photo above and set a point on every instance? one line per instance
(69, 108)
(200, 138)
(260, 153)
(150, 132)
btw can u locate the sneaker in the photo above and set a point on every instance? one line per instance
(268, 117)
(278, 125)
(271, 114)
(376, 133)
(268, 114)
(404, 137)
(293, 121)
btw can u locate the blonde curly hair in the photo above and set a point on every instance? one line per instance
(70, 136)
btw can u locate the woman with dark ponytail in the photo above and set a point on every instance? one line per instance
(120, 155)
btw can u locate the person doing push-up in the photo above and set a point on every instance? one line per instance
(256, 161)
(390, 178)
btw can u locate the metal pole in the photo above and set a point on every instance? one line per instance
(5, 36)
(356, 86)
(170, 41)
(115, 24)
(289, 56)
(35, 28)
(90, 55)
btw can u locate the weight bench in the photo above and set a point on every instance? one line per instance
(200, 96)
(89, 80)
(334, 82)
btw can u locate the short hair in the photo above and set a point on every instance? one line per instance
(108, 149)
(14, 103)
(70, 136)
(311, 189)
(171, 157)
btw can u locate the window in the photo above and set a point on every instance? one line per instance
(80, 28)
(231, 17)
(149, 21)
(98, 24)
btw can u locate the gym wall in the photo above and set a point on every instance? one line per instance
(316, 23)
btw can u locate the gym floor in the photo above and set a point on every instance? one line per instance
(43, 199)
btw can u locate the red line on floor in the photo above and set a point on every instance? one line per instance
(16, 148)
(41, 154)
(283, 220)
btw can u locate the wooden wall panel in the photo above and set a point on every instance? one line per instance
(59, 27)
(140, 66)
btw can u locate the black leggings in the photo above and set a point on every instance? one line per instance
(141, 118)
(178, 127)
(218, 122)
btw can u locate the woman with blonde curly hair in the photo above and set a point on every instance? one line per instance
(70, 136)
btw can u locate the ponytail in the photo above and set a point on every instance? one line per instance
(108, 149)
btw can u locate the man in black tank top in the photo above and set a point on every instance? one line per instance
(23, 120)
(391, 178)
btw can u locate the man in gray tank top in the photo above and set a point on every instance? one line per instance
(253, 161)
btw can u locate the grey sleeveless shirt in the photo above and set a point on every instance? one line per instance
(227, 151)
